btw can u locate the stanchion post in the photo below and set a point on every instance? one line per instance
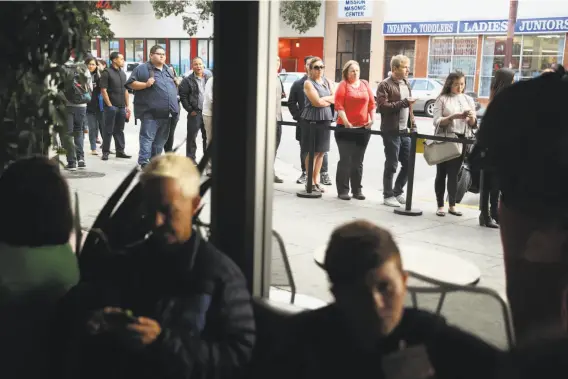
(408, 211)
(308, 192)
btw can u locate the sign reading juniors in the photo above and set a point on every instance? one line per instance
(355, 8)
(530, 25)
(417, 28)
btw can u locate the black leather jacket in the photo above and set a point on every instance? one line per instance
(189, 93)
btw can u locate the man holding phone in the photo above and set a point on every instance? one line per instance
(394, 103)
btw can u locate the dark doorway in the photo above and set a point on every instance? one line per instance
(353, 42)
(393, 48)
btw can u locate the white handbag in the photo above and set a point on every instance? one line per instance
(436, 152)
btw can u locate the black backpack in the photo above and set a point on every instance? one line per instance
(77, 90)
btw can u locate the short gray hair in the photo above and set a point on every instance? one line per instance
(397, 60)
(177, 167)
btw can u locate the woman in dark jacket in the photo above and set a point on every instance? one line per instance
(95, 117)
(490, 194)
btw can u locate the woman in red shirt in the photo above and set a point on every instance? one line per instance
(355, 105)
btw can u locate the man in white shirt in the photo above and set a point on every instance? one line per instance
(208, 116)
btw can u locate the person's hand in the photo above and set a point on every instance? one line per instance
(150, 82)
(348, 125)
(458, 116)
(148, 329)
(469, 114)
(411, 100)
(369, 125)
(194, 113)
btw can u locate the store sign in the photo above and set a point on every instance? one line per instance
(355, 8)
(416, 28)
(531, 25)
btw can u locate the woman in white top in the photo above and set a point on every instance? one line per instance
(454, 116)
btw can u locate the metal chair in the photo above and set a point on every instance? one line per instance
(281, 270)
(458, 304)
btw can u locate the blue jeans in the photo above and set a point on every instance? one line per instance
(96, 124)
(75, 136)
(153, 136)
(397, 149)
(114, 127)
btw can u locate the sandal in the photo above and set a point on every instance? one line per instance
(440, 213)
(455, 213)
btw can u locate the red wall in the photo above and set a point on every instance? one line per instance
(307, 46)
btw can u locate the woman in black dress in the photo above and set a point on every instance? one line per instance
(317, 114)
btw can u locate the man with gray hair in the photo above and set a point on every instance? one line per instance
(394, 100)
(176, 306)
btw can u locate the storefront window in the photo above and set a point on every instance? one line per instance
(105, 51)
(152, 42)
(129, 46)
(94, 51)
(185, 65)
(174, 54)
(203, 51)
(449, 54)
(531, 55)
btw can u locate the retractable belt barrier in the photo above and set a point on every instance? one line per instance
(414, 138)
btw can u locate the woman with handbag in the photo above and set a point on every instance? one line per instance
(454, 116)
(355, 105)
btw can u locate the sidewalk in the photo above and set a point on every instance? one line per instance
(306, 224)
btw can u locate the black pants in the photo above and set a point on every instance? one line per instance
(450, 170)
(489, 199)
(350, 165)
(194, 125)
(170, 142)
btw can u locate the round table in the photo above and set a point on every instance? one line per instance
(430, 266)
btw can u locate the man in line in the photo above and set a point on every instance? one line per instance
(394, 100)
(280, 94)
(76, 97)
(208, 116)
(155, 103)
(115, 98)
(191, 93)
(176, 306)
(296, 103)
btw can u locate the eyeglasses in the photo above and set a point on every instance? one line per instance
(318, 67)
(160, 54)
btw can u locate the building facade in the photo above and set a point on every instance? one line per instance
(136, 30)
(438, 36)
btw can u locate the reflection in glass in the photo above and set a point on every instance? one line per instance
(203, 51)
(150, 43)
(114, 45)
(533, 66)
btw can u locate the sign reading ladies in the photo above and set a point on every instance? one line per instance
(355, 8)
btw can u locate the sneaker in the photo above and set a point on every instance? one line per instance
(278, 180)
(401, 199)
(105, 157)
(94, 152)
(71, 166)
(324, 179)
(82, 164)
(302, 179)
(391, 202)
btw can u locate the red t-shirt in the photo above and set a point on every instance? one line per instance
(356, 102)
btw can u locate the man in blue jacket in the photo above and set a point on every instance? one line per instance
(296, 104)
(155, 103)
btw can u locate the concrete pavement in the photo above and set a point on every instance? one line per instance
(306, 224)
